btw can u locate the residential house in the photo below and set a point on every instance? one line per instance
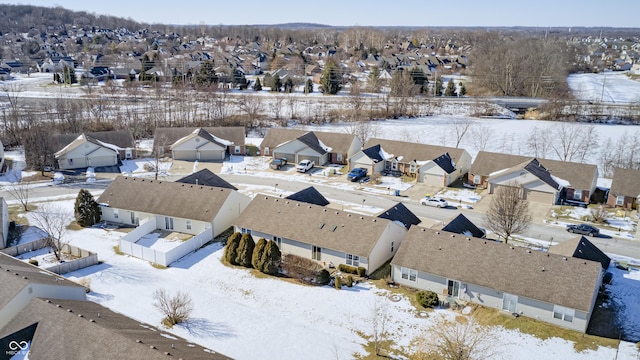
(400, 213)
(578, 180)
(22, 282)
(330, 237)
(104, 148)
(581, 248)
(322, 147)
(207, 178)
(234, 136)
(200, 145)
(430, 164)
(75, 329)
(463, 226)
(4, 223)
(556, 289)
(536, 182)
(625, 189)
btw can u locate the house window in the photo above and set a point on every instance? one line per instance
(236, 149)
(339, 157)
(477, 179)
(352, 260)
(316, 253)
(453, 288)
(509, 302)
(392, 246)
(413, 167)
(188, 224)
(116, 214)
(168, 223)
(134, 218)
(619, 200)
(409, 274)
(563, 313)
(394, 165)
(266, 150)
(278, 241)
(245, 231)
(577, 194)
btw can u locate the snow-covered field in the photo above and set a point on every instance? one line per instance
(611, 87)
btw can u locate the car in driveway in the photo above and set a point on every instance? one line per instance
(278, 164)
(583, 229)
(357, 174)
(434, 201)
(304, 166)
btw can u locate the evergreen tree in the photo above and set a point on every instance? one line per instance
(231, 250)
(308, 86)
(258, 85)
(462, 90)
(276, 83)
(375, 83)
(86, 210)
(451, 88)
(288, 85)
(207, 74)
(331, 80)
(258, 250)
(338, 282)
(271, 258)
(419, 79)
(69, 75)
(245, 250)
(438, 87)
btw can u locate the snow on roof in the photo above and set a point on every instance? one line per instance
(222, 141)
(498, 172)
(325, 147)
(385, 155)
(109, 146)
(561, 182)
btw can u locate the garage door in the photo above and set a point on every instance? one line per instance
(539, 196)
(315, 159)
(291, 158)
(494, 188)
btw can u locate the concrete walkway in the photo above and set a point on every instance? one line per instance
(627, 351)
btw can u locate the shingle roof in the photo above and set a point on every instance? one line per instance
(167, 136)
(311, 140)
(195, 202)
(533, 274)
(625, 182)
(461, 225)
(445, 162)
(338, 142)
(120, 138)
(207, 178)
(374, 153)
(16, 275)
(62, 333)
(539, 171)
(580, 247)
(310, 196)
(311, 224)
(399, 212)
(411, 151)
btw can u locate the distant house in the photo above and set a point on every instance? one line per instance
(322, 147)
(536, 181)
(328, 236)
(581, 248)
(163, 138)
(625, 189)
(578, 180)
(207, 178)
(92, 331)
(556, 289)
(463, 226)
(433, 165)
(104, 148)
(200, 145)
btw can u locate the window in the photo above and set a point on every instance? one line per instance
(339, 157)
(394, 165)
(188, 224)
(245, 231)
(509, 302)
(577, 194)
(619, 200)
(168, 223)
(453, 288)
(278, 241)
(409, 274)
(392, 246)
(563, 313)
(477, 179)
(316, 253)
(353, 260)
(134, 218)
(413, 167)
(236, 149)
(266, 150)
(116, 214)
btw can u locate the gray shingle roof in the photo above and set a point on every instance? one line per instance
(310, 196)
(461, 225)
(167, 136)
(207, 178)
(580, 247)
(338, 142)
(120, 138)
(533, 274)
(186, 201)
(399, 212)
(411, 151)
(625, 182)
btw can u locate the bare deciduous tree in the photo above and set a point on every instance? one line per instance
(480, 136)
(252, 106)
(460, 128)
(176, 309)
(574, 142)
(379, 320)
(53, 220)
(508, 213)
(539, 141)
(457, 340)
(20, 192)
(363, 130)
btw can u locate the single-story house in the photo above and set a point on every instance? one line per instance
(430, 164)
(75, 329)
(580, 247)
(234, 136)
(463, 226)
(22, 282)
(207, 178)
(200, 145)
(103, 148)
(625, 189)
(330, 237)
(556, 289)
(536, 182)
(175, 206)
(578, 180)
(322, 147)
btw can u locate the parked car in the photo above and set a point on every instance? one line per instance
(584, 229)
(305, 165)
(278, 164)
(356, 174)
(434, 201)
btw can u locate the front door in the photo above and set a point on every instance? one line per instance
(453, 288)
(509, 302)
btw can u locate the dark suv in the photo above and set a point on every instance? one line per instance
(584, 229)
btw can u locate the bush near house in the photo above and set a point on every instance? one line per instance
(338, 283)
(360, 271)
(349, 281)
(427, 299)
(33, 262)
(305, 270)
(231, 250)
(258, 250)
(245, 250)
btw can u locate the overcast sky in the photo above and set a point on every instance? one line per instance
(542, 13)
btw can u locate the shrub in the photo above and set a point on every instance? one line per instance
(349, 281)
(33, 262)
(231, 250)
(245, 250)
(323, 277)
(271, 258)
(347, 269)
(362, 271)
(338, 283)
(427, 299)
(258, 250)
(599, 214)
(176, 308)
(86, 209)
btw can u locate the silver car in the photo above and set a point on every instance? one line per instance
(434, 201)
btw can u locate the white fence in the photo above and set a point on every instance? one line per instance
(85, 258)
(128, 246)
(25, 248)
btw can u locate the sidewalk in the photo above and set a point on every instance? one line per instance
(627, 351)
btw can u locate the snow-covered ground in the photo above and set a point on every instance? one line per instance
(612, 87)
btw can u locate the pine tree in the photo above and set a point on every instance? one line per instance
(258, 250)
(207, 74)
(276, 83)
(331, 80)
(87, 210)
(69, 75)
(245, 250)
(231, 250)
(463, 89)
(271, 258)
(419, 78)
(308, 87)
(258, 85)
(288, 85)
(451, 88)
(438, 87)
